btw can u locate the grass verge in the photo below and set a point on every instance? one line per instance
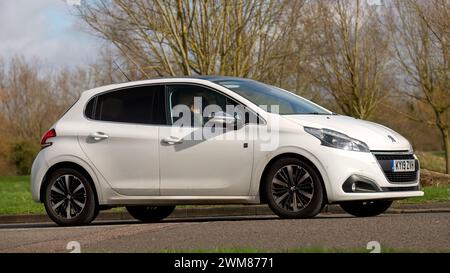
(15, 196)
(433, 161)
(433, 194)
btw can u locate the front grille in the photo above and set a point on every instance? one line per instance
(401, 177)
(385, 161)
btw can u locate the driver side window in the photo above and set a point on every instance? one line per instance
(192, 105)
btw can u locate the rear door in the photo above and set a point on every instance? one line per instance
(121, 137)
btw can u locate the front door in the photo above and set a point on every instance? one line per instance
(195, 161)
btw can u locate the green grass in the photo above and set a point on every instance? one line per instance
(432, 194)
(15, 196)
(433, 161)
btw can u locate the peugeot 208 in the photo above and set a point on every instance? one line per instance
(154, 144)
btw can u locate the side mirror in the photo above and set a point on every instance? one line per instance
(225, 120)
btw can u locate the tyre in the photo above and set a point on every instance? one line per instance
(150, 213)
(366, 208)
(293, 189)
(69, 198)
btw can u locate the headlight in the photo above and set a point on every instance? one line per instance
(338, 140)
(411, 148)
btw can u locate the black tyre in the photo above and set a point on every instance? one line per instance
(69, 198)
(293, 189)
(150, 213)
(366, 208)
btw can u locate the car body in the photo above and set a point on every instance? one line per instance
(135, 158)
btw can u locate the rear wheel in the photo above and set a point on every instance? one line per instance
(366, 208)
(150, 213)
(293, 189)
(69, 198)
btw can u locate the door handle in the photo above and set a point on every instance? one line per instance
(98, 136)
(172, 140)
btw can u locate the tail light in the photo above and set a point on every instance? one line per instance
(49, 134)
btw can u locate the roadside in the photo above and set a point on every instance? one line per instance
(229, 211)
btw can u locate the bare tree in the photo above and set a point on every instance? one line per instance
(422, 33)
(32, 97)
(26, 102)
(68, 83)
(2, 95)
(292, 53)
(352, 54)
(190, 37)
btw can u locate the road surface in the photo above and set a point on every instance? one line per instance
(408, 232)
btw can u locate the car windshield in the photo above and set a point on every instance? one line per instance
(265, 96)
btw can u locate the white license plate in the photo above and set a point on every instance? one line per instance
(403, 165)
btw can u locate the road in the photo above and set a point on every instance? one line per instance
(410, 232)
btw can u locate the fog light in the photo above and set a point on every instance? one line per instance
(357, 183)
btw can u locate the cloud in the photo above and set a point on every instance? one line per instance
(44, 29)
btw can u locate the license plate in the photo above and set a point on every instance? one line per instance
(403, 165)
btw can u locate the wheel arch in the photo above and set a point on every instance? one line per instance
(71, 165)
(285, 155)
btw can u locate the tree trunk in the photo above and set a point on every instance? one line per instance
(446, 139)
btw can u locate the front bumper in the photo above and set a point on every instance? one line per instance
(378, 196)
(345, 167)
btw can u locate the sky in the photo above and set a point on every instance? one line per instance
(45, 29)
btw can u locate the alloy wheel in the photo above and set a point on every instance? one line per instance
(292, 188)
(68, 196)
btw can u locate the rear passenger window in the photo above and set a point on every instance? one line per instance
(143, 105)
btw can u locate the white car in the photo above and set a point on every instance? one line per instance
(154, 144)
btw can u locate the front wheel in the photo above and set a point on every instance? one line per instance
(366, 208)
(293, 189)
(150, 213)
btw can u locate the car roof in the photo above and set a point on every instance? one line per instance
(187, 79)
(213, 78)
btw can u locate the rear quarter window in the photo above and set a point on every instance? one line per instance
(89, 110)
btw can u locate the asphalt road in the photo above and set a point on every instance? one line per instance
(409, 232)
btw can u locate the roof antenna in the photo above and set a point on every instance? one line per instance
(123, 73)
